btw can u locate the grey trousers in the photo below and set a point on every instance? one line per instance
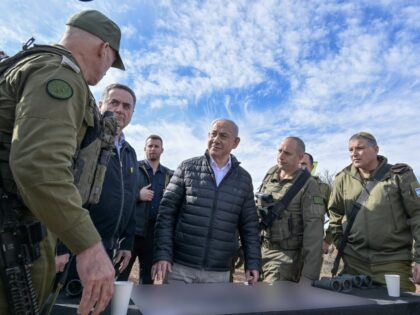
(181, 273)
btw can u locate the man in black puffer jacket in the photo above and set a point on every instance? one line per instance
(208, 202)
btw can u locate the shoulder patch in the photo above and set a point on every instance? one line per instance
(59, 89)
(318, 200)
(416, 187)
(400, 168)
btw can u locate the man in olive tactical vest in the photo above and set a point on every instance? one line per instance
(381, 239)
(46, 109)
(325, 190)
(291, 246)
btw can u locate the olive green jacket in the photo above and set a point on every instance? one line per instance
(388, 221)
(300, 227)
(46, 132)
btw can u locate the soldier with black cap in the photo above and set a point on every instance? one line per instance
(386, 221)
(46, 112)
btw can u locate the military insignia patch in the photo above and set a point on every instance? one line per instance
(318, 200)
(415, 186)
(59, 89)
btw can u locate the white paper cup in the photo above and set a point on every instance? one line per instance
(121, 297)
(393, 285)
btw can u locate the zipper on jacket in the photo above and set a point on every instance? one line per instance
(149, 203)
(213, 210)
(120, 156)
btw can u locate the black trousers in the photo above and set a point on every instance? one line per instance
(143, 250)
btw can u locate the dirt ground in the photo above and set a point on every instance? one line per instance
(239, 273)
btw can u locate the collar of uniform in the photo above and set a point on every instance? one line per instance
(293, 177)
(355, 172)
(67, 62)
(71, 63)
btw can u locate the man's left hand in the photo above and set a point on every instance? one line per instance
(61, 261)
(325, 247)
(122, 258)
(252, 276)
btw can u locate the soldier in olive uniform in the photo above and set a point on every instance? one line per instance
(381, 238)
(292, 245)
(325, 190)
(46, 110)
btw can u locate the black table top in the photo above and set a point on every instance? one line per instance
(236, 298)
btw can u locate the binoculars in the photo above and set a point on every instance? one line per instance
(343, 283)
(268, 198)
(74, 288)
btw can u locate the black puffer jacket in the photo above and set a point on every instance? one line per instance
(198, 223)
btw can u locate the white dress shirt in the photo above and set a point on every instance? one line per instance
(220, 172)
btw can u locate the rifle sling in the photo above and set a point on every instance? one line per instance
(278, 208)
(361, 199)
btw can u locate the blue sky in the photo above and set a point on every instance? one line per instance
(320, 70)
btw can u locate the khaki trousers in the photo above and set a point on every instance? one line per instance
(284, 265)
(185, 274)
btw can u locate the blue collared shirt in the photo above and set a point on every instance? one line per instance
(158, 186)
(119, 142)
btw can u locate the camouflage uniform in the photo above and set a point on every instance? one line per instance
(381, 238)
(45, 110)
(292, 245)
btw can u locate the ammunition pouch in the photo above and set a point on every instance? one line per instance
(92, 158)
(285, 233)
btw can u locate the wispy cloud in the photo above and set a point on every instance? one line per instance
(321, 70)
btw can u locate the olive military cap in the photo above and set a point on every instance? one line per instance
(96, 23)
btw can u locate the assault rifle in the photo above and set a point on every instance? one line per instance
(19, 248)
